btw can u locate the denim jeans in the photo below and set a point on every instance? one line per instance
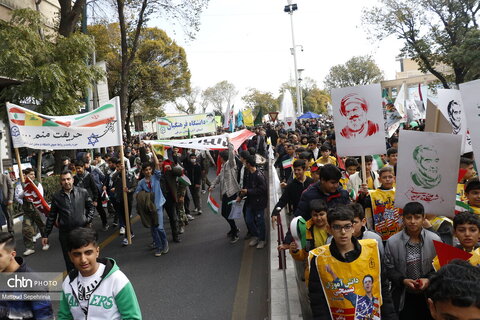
(158, 233)
(255, 219)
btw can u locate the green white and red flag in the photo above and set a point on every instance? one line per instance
(213, 204)
(288, 163)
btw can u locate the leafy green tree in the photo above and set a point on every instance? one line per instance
(159, 72)
(256, 100)
(188, 102)
(132, 17)
(357, 71)
(221, 94)
(52, 69)
(436, 33)
(316, 100)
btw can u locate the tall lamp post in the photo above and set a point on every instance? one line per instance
(300, 87)
(289, 9)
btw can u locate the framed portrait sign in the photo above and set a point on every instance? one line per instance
(450, 103)
(471, 105)
(427, 170)
(358, 119)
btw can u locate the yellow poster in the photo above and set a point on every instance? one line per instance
(352, 290)
(248, 118)
(387, 219)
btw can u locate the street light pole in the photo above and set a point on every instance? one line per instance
(289, 9)
(300, 86)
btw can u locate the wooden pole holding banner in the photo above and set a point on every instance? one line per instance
(125, 197)
(364, 170)
(19, 164)
(368, 212)
(437, 119)
(39, 165)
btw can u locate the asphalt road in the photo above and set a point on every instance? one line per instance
(203, 277)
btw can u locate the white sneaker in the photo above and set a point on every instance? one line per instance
(45, 247)
(253, 242)
(28, 252)
(261, 245)
(122, 230)
(190, 217)
(182, 230)
(36, 237)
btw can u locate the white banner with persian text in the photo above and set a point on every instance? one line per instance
(427, 170)
(99, 128)
(359, 121)
(218, 142)
(182, 126)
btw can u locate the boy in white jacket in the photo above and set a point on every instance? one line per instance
(96, 288)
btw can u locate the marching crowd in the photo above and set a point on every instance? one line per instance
(350, 232)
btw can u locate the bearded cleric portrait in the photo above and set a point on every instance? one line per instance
(355, 109)
(358, 120)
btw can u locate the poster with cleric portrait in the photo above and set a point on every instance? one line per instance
(358, 119)
(427, 170)
(471, 105)
(451, 105)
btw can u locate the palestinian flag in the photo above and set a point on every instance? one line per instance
(213, 204)
(461, 206)
(288, 163)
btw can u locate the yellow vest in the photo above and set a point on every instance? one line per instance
(474, 259)
(342, 282)
(329, 160)
(387, 219)
(461, 192)
(473, 209)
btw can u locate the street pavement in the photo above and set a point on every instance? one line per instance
(203, 277)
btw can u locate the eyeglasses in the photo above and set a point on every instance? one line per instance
(339, 228)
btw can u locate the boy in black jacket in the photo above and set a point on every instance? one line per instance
(256, 192)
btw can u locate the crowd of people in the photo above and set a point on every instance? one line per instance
(363, 256)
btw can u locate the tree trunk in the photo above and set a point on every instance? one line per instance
(127, 58)
(69, 16)
(127, 122)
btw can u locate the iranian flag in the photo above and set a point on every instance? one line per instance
(288, 163)
(213, 204)
(461, 206)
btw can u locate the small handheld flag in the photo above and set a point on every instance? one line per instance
(213, 204)
(288, 163)
(461, 206)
